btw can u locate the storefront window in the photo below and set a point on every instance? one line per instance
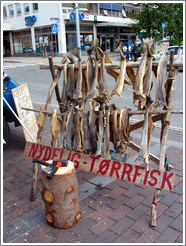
(35, 6)
(4, 12)
(112, 12)
(17, 46)
(95, 8)
(11, 10)
(91, 8)
(18, 8)
(26, 7)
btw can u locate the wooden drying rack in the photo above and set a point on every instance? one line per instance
(163, 115)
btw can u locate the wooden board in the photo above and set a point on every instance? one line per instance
(22, 98)
(106, 167)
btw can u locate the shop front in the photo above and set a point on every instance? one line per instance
(109, 36)
(86, 36)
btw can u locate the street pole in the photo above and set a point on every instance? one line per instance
(77, 26)
(163, 33)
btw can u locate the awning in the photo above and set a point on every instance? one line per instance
(7, 27)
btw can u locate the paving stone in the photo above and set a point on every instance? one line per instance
(147, 191)
(180, 239)
(178, 189)
(106, 237)
(99, 193)
(148, 236)
(119, 213)
(86, 237)
(41, 229)
(168, 236)
(127, 185)
(178, 223)
(127, 237)
(163, 222)
(138, 212)
(116, 192)
(135, 201)
(169, 198)
(101, 213)
(142, 224)
(116, 203)
(177, 181)
(64, 237)
(112, 185)
(82, 226)
(6, 220)
(180, 199)
(102, 226)
(26, 238)
(122, 225)
(45, 238)
(132, 191)
(103, 200)
(87, 211)
(14, 230)
(86, 202)
(174, 210)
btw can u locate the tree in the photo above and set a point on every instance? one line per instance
(149, 21)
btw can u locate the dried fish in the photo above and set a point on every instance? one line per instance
(143, 154)
(103, 90)
(60, 142)
(69, 125)
(114, 113)
(138, 85)
(100, 134)
(87, 147)
(71, 81)
(78, 93)
(161, 78)
(90, 69)
(77, 136)
(118, 89)
(106, 151)
(64, 90)
(92, 127)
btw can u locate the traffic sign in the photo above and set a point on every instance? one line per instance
(163, 25)
(54, 28)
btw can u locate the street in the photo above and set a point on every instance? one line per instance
(39, 82)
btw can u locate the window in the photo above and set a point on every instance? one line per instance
(35, 6)
(119, 13)
(26, 7)
(4, 12)
(95, 8)
(116, 13)
(112, 12)
(90, 8)
(11, 10)
(18, 8)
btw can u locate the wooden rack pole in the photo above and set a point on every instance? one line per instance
(165, 129)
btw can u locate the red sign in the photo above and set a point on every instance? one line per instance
(106, 167)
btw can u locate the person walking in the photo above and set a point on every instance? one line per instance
(139, 51)
(135, 51)
(103, 46)
(44, 50)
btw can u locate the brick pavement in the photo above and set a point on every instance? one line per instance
(114, 212)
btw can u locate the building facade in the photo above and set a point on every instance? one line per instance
(28, 25)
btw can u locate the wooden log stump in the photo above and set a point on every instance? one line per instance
(60, 195)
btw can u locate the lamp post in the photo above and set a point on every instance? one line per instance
(77, 26)
(163, 26)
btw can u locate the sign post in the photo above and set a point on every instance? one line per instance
(163, 26)
(54, 28)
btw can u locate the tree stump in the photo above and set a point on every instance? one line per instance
(60, 195)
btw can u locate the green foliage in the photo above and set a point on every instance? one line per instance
(149, 21)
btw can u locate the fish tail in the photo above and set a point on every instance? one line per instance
(164, 47)
(76, 52)
(147, 43)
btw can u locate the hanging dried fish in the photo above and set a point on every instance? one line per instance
(138, 85)
(92, 127)
(106, 151)
(71, 81)
(161, 78)
(90, 69)
(69, 125)
(77, 136)
(143, 154)
(86, 142)
(118, 89)
(100, 134)
(78, 93)
(103, 90)
(60, 142)
(114, 113)
(64, 90)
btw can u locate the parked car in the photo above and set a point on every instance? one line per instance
(8, 116)
(176, 48)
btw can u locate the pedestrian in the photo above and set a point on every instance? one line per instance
(44, 50)
(103, 46)
(135, 51)
(139, 51)
(51, 49)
